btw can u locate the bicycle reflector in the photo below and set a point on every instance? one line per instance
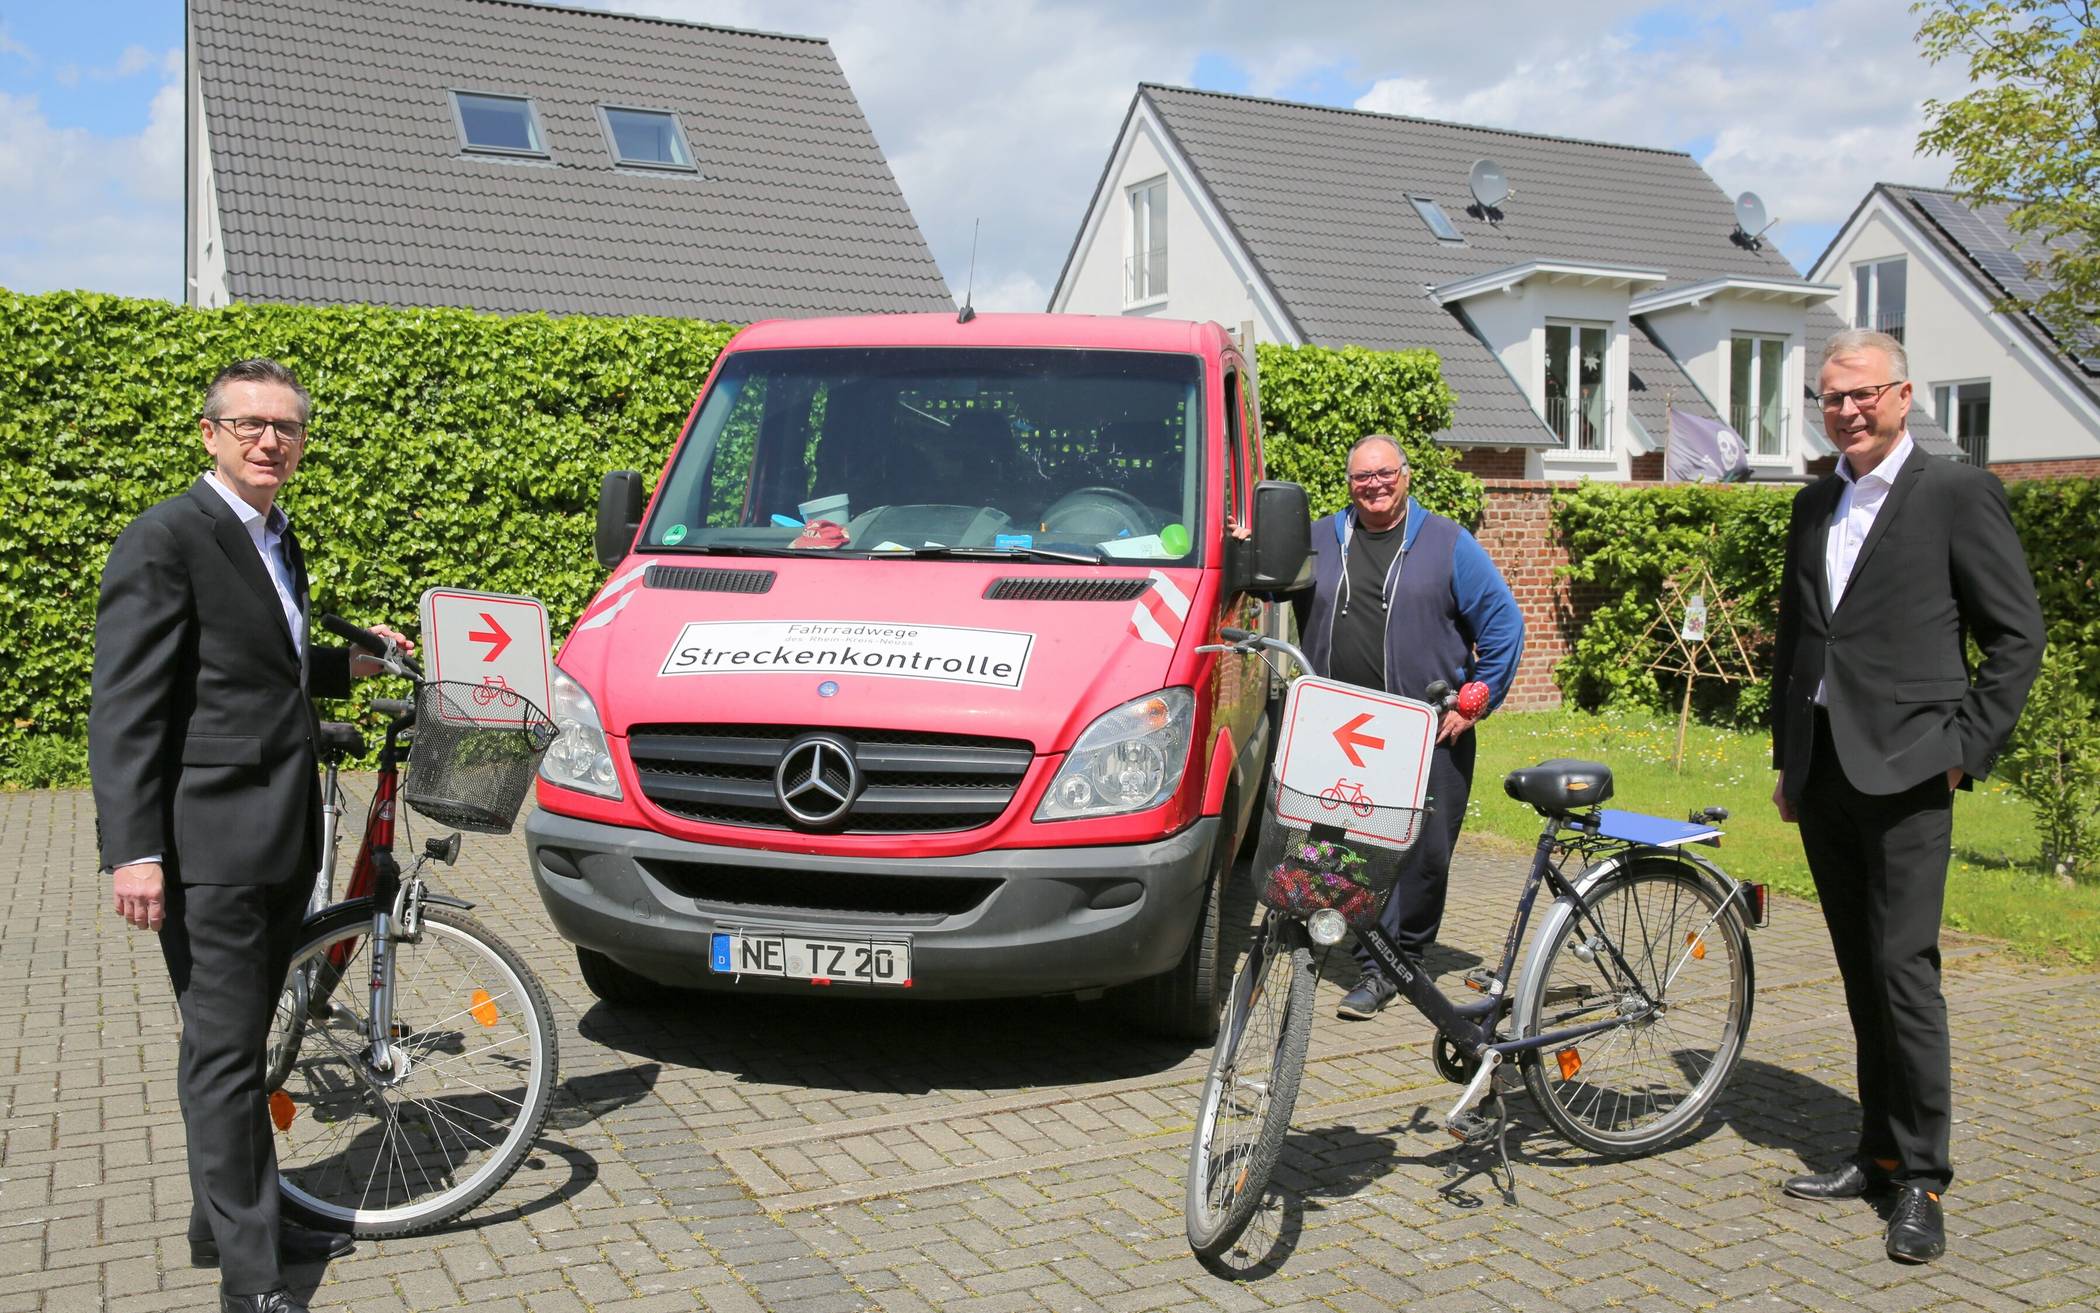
(482, 1007)
(282, 1110)
(1754, 900)
(1697, 943)
(1570, 1063)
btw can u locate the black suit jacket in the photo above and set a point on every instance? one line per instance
(1942, 562)
(201, 733)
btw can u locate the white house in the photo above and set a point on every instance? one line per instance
(1931, 268)
(1574, 295)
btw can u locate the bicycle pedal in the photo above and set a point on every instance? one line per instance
(1481, 980)
(1471, 1128)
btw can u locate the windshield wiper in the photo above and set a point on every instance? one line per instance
(939, 552)
(739, 549)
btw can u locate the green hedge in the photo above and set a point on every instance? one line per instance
(1625, 540)
(447, 446)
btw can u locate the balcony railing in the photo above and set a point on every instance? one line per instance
(1593, 433)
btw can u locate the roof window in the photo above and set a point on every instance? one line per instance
(501, 125)
(651, 138)
(1439, 222)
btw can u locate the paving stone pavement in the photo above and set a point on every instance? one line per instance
(812, 1155)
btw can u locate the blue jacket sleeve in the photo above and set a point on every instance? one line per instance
(1490, 612)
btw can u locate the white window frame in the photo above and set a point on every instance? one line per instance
(532, 122)
(1870, 270)
(1752, 434)
(1568, 438)
(1145, 259)
(1949, 414)
(612, 143)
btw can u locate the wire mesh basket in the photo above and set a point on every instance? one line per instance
(474, 754)
(1332, 849)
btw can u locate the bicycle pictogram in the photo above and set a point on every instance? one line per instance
(1350, 792)
(493, 687)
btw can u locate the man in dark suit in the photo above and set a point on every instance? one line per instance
(1876, 722)
(201, 743)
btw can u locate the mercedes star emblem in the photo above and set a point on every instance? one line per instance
(817, 780)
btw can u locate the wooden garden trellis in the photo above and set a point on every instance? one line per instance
(1703, 641)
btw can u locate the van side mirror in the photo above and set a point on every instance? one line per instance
(1277, 558)
(619, 516)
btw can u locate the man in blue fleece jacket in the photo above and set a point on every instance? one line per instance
(1401, 598)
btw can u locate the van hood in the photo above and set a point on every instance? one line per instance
(878, 644)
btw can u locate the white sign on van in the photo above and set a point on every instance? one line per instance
(997, 658)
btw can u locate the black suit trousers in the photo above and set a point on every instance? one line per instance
(1880, 867)
(1414, 911)
(227, 948)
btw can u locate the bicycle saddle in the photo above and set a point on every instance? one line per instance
(1560, 785)
(340, 738)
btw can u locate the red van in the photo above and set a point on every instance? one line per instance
(895, 688)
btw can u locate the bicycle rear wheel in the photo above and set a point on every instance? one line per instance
(1628, 1089)
(1251, 1088)
(468, 1084)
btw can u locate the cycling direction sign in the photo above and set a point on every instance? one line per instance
(495, 644)
(1354, 758)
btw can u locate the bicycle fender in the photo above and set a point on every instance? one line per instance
(447, 900)
(1633, 859)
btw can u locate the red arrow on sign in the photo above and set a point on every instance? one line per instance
(499, 640)
(1346, 736)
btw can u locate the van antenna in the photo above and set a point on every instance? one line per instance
(968, 311)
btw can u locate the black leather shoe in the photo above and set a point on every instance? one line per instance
(1369, 997)
(1917, 1229)
(295, 1244)
(274, 1301)
(1850, 1181)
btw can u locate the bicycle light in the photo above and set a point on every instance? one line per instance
(1326, 927)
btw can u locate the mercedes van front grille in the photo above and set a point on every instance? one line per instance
(910, 782)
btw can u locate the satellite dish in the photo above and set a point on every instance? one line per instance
(1750, 220)
(1490, 185)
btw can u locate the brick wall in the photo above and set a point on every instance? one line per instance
(2012, 471)
(1492, 463)
(1516, 527)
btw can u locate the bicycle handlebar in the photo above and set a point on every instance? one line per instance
(377, 645)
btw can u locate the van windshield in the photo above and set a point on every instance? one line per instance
(918, 449)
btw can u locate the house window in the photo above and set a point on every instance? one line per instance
(503, 125)
(1757, 393)
(1576, 408)
(1878, 296)
(1146, 264)
(651, 138)
(1964, 410)
(1439, 222)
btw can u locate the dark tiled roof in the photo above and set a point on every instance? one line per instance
(1318, 197)
(1979, 241)
(341, 179)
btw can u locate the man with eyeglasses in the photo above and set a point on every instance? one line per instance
(207, 798)
(1403, 598)
(1876, 722)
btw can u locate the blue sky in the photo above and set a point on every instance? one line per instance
(1032, 91)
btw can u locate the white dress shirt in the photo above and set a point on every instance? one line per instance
(267, 533)
(1859, 503)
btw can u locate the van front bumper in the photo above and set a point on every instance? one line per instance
(1013, 922)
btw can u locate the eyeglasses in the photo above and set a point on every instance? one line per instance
(1861, 398)
(1362, 478)
(249, 429)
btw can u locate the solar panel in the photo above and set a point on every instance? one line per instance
(1985, 238)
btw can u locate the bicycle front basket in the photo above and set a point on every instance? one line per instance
(1330, 850)
(474, 754)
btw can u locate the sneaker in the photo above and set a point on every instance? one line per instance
(1365, 1001)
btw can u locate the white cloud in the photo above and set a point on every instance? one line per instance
(10, 46)
(89, 211)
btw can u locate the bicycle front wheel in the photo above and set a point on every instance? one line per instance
(1251, 1088)
(1679, 987)
(397, 1146)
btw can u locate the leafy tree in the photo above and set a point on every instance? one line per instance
(2028, 134)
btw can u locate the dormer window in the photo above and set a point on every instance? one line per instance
(647, 138)
(497, 125)
(1577, 409)
(1757, 392)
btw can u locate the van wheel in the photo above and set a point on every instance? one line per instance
(1185, 1002)
(615, 984)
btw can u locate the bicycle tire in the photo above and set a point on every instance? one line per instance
(1252, 1085)
(1629, 1090)
(424, 1127)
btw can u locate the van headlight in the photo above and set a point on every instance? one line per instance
(579, 757)
(1129, 760)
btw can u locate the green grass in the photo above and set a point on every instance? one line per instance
(1995, 884)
